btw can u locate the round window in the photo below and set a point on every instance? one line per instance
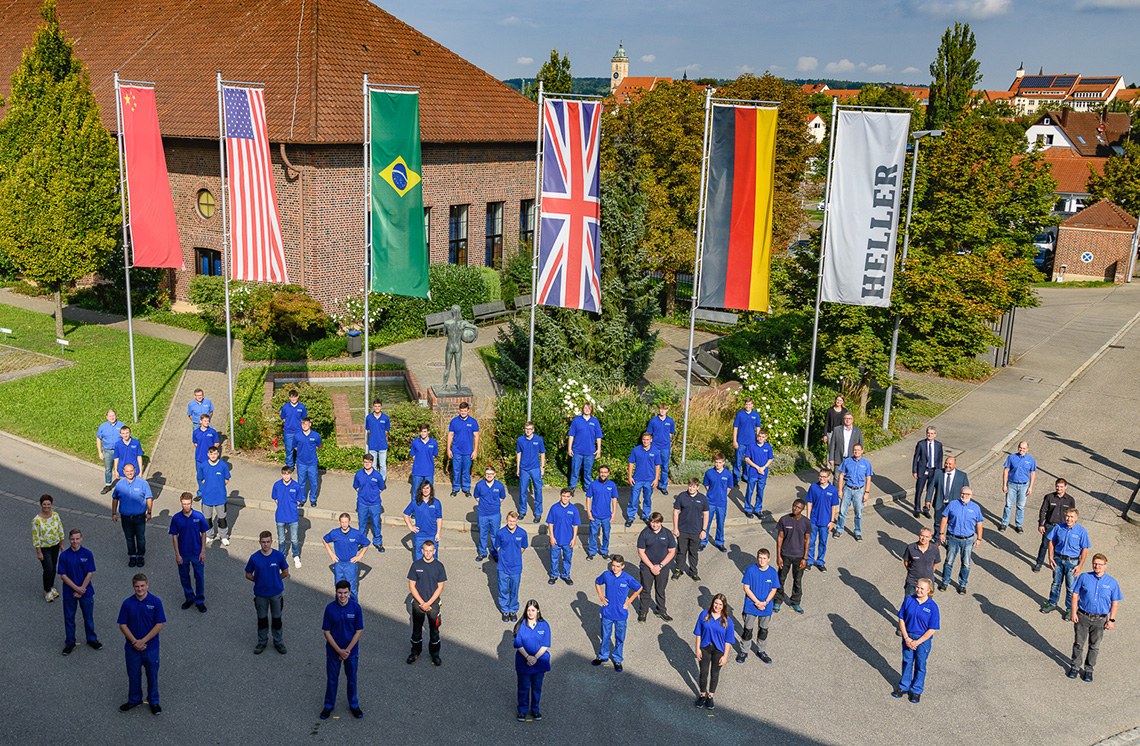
(205, 203)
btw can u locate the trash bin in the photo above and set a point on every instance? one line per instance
(354, 342)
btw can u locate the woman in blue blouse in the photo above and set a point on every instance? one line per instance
(532, 659)
(714, 637)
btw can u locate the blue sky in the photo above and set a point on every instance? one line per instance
(875, 40)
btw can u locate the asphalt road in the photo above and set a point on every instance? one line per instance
(996, 673)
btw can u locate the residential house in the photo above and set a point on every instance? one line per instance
(1095, 244)
(1088, 133)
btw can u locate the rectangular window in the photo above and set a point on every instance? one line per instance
(494, 252)
(457, 234)
(427, 229)
(526, 222)
(208, 262)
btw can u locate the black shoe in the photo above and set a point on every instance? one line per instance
(467, 494)
(537, 519)
(313, 504)
(961, 590)
(605, 556)
(132, 562)
(412, 658)
(677, 574)
(695, 577)
(155, 708)
(1047, 608)
(1037, 568)
(259, 648)
(858, 537)
(325, 713)
(141, 561)
(506, 617)
(741, 657)
(641, 618)
(280, 648)
(436, 660)
(187, 605)
(898, 693)
(356, 712)
(106, 489)
(536, 716)
(1086, 676)
(721, 547)
(128, 706)
(68, 648)
(700, 701)
(513, 617)
(1072, 673)
(914, 698)
(926, 514)
(568, 581)
(202, 608)
(663, 491)
(94, 644)
(628, 523)
(915, 512)
(617, 668)
(598, 661)
(776, 608)
(1019, 529)
(521, 717)
(589, 557)
(454, 493)
(764, 657)
(665, 617)
(941, 586)
(709, 704)
(380, 549)
(747, 514)
(822, 568)
(1002, 527)
(552, 581)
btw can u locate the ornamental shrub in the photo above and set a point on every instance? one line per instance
(317, 401)
(406, 419)
(780, 398)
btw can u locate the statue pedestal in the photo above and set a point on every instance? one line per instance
(445, 400)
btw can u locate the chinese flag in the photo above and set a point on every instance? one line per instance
(154, 233)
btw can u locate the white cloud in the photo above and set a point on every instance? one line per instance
(911, 69)
(775, 68)
(806, 64)
(511, 21)
(969, 9)
(880, 68)
(695, 67)
(843, 66)
(744, 69)
(862, 64)
(1109, 4)
(648, 58)
(525, 60)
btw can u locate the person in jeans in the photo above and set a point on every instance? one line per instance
(48, 540)
(643, 475)
(76, 568)
(369, 485)
(188, 530)
(106, 435)
(532, 659)
(616, 590)
(1096, 598)
(563, 520)
(584, 444)
(1068, 546)
(1052, 513)
(601, 507)
(507, 547)
(376, 425)
(690, 526)
(662, 429)
(963, 519)
(822, 510)
(918, 621)
(267, 570)
(714, 635)
(855, 474)
(489, 496)
(656, 548)
(308, 469)
(426, 578)
(292, 412)
(213, 484)
(793, 537)
(287, 495)
(761, 583)
(131, 502)
(530, 468)
(1017, 478)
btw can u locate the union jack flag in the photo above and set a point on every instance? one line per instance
(569, 253)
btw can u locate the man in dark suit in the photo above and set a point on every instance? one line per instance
(841, 440)
(948, 484)
(927, 457)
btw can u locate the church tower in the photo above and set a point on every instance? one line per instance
(619, 66)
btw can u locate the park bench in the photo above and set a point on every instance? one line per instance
(521, 301)
(433, 322)
(706, 366)
(489, 311)
(720, 318)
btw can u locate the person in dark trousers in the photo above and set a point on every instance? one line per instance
(188, 531)
(141, 619)
(616, 590)
(918, 621)
(563, 521)
(925, 466)
(948, 485)
(343, 625)
(690, 526)
(823, 511)
(131, 503)
(656, 547)
(507, 547)
(267, 570)
(920, 560)
(793, 537)
(761, 582)
(714, 636)
(1052, 513)
(833, 418)
(1096, 598)
(76, 568)
(426, 578)
(532, 659)
(48, 540)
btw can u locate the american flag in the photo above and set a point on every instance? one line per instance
(569, 254)
(256, 251)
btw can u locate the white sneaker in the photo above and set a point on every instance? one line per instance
(297, 562)
(50, 596)
(225, 541)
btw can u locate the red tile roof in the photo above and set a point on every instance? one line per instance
(1102, 214)
(812, 88)
(842, 93)
(310, 63)
(630, 85)
(1127, 94)
(1084, 129)
(1070, 169)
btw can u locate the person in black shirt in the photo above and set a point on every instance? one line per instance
(426, 578)
(833, 418)
(1053, 509)
(793, 537)
(656, 548)
(690, 526)
(920, 559)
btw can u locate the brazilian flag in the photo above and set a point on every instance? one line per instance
(399, 247)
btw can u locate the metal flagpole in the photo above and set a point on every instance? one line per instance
(226, 259)
(695, 295)
(367, 243)
(126, 252)
(534, 253)
(819, 280)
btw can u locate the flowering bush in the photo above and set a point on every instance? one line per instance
(572, 395)
(780, 398)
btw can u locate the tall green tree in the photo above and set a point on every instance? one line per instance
(1120, 182)
(892, 97)
(555, 77)
(954, 73)
(59, 210)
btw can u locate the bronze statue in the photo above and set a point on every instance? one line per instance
(458, 331)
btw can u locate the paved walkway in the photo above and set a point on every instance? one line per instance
(669, 363)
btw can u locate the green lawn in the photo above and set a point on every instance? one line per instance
(62, 408)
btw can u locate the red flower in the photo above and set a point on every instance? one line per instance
(241, 420)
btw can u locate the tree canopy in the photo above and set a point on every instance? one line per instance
(555, 77)
(1120, 182)
(954, 73)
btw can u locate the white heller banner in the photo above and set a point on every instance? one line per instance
(863, 210)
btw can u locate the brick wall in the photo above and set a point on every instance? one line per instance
(322, 211)
(1107, 250)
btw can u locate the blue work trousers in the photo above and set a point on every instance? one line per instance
(509, 592)
(663, 456)
(526, 478)
(460, 472)
(818, 549)
(70, 604)
(615, 628)
(640, 500)
(137, 662)
(369, 515)
(758, 484)
(530, 691)
(561, 555)
(308, 482)
(290, 439)
(332, 668)
(488, 526)
(914, 667)
(581, 464)
(716, 514)
(195, 564)
(596, 525)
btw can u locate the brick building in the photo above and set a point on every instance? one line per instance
(478, 135)
(1095, 244)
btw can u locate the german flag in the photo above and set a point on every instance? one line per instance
(738, 208)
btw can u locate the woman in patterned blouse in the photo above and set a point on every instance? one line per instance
(47, 536)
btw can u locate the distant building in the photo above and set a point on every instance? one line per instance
(619, 67)
(1031, 92)
(816, 127)
(1095, 244)
(1088, 133)
(1071, 171)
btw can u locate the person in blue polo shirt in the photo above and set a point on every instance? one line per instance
(823, 509)
(287, 495)
(369, 486)
(963, 519)
(616, 589)
(662, 429)
(213, 485)
(584, 444)
(424, 518)
(1068, 546)
(141, 619)
(76, 568)
(530, 468)
(714, 635)
(758, 458)
(918, 621)
(343, 625)
(424, 450)
(489, 496)
(744, 427)
(644, 471)
(507, 547)
(532, 659)
(1096, 598)
(376, 425)
(106, 435)
(292, 412)
(564, 521)
(308, 480)
(761, 583)
(189, 529)
(346, 545)
(718, 480)
(128, 450)
(1017, 477)
(205, 438)
(462, 449)
(855, 474)
(197, 407)
(601, 505)
(130, 506)
(267, 570)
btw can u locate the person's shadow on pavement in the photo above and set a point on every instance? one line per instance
(589, 615)
(858, 645)
(1016, 626)
(1005, 576)
(679, 654)
(894, 547)
(870, 595)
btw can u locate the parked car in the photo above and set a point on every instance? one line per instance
(1043, 242)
